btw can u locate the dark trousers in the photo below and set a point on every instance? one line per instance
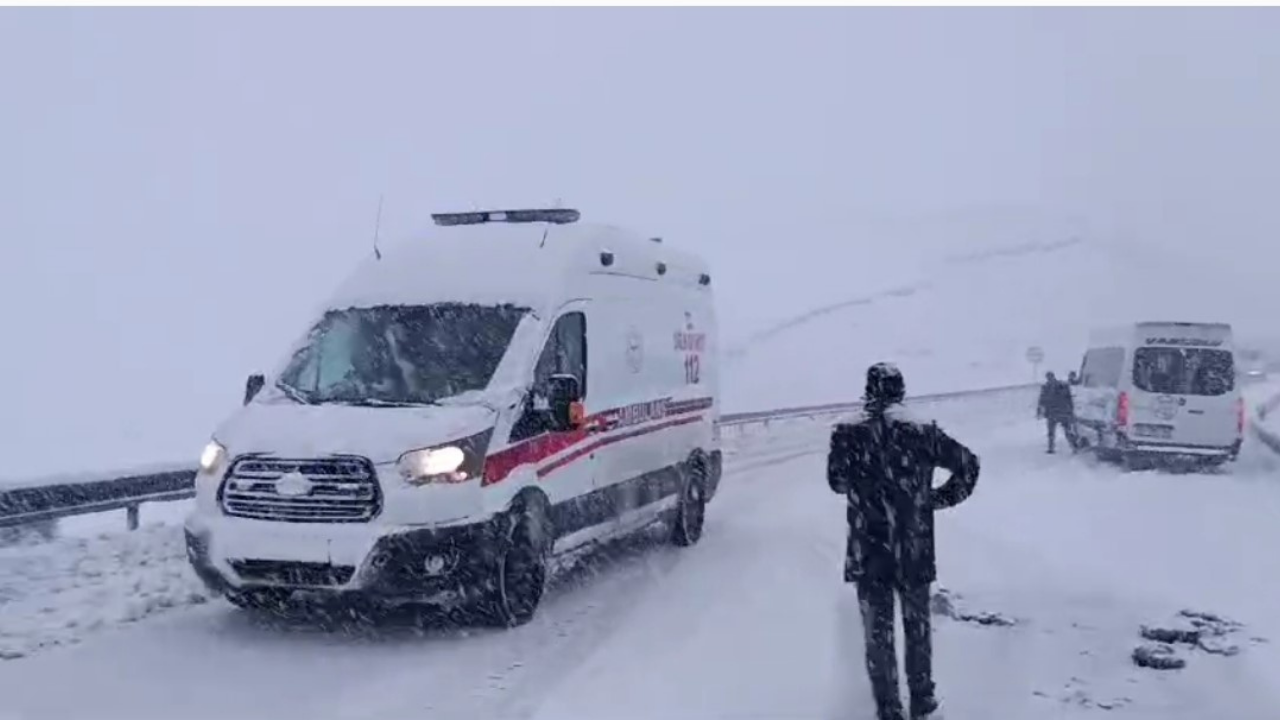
(877, 601)
(1068, 430)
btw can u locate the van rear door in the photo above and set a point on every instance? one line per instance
(1096, 395)
(1184, 396)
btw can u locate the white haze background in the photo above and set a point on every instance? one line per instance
(178, 188)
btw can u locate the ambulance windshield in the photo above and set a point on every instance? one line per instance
(400, 355)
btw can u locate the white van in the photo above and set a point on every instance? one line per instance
(1156, 390)
(511, 386)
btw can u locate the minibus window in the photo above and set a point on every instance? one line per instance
(1183, 371)
(1103, 367)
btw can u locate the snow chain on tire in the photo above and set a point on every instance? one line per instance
(515, 596)
(691, 510)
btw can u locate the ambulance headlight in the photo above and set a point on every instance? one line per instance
(455, 462)
(434, 465)
(212, 458)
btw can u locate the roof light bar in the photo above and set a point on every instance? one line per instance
(558, 216)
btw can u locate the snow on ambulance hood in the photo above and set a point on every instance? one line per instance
(381, 434)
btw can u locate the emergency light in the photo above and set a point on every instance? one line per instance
(559, 216)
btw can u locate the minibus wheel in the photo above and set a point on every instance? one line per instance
(264, 600)
(1133, 462)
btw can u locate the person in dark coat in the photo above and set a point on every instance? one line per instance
(884, 464)
(1070, 427)
(1058, 408)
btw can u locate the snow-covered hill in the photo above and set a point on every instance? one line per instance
(965, 320)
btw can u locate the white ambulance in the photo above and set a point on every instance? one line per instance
(1161, 390)
(511, 386)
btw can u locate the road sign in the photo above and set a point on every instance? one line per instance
(1035, 356)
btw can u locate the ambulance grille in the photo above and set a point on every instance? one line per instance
(330, 490)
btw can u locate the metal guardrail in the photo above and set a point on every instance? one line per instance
(34, 504)
(39, 503)
(836, 409)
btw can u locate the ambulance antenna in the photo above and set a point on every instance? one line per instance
(377, 225)
(547, 228)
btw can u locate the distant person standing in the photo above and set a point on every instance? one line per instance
(1057, 408)
(1071, 428)
(884, 465)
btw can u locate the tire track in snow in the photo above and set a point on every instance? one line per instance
(737, 617)
(731, 530)
(505, 672)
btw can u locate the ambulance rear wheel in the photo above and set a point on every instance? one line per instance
(691, 512)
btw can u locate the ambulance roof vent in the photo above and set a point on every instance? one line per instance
(558, 216)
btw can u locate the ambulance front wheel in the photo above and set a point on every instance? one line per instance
(520, 568)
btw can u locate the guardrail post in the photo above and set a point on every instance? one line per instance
(132, 516)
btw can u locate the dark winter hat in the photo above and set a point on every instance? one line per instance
(885, 384)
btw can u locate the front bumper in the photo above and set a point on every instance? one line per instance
(435, 565)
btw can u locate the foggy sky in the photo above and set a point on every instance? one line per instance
(178, 188)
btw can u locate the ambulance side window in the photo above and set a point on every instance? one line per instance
(564, 353)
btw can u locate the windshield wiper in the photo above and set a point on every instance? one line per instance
(378, 402)
(293, 393)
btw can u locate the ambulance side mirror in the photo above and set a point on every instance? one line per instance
(564, 395)
(253, 386)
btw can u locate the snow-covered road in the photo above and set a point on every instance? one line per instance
(754, 622)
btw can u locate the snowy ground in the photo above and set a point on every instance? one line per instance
(60, 592)
(1266, 412)
(1084, 555)
(754, 622)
